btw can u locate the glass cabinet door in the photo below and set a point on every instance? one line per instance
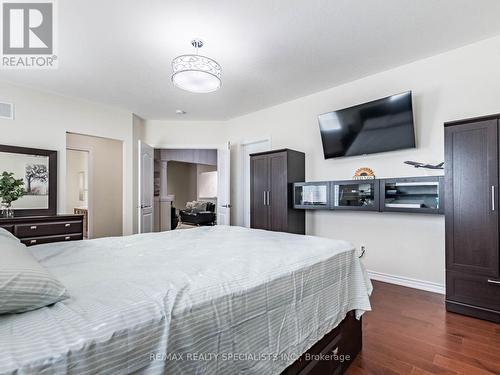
(418, 194)
(360, 195)
(311, 195)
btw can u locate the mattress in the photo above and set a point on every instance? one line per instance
(210, 300)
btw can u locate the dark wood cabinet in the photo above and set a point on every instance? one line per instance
(472, 226)
(278, 196)
(44, 229)
(259, 182)
(272, 175)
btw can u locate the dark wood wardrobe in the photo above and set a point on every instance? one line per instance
(272, 175)
(472, 226)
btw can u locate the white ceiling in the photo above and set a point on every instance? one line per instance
(119, 52)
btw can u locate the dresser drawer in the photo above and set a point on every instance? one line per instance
(30, 241)
(47, 229)
(476, 290)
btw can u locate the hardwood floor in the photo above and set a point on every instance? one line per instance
(410, 332)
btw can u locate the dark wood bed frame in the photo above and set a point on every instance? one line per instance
(333, 354)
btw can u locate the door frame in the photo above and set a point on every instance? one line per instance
(139, 186)
(244, 176)
(209, 146)
(90, 183)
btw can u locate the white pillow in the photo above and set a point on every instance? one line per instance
(24, 283)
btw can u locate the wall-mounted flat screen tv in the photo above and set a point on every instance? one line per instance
(378, 126)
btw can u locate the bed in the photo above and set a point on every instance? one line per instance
(209, 300)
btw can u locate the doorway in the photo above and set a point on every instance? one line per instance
(247, 149)
(188, 178)
(185, 175)
(101, 183)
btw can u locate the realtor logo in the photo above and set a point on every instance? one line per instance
(28, 35)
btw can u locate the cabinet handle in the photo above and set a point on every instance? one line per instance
(33, 227)
(493, 198)
(494, 281)
(33, 241)
(265, 198)
(268, 200)
(67, 225)
(67, 238)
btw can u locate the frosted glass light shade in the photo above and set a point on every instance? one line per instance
(196, 73)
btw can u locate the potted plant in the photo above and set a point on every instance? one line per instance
(11, 189)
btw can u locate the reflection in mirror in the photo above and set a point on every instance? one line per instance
(83, 187)
(33, 170)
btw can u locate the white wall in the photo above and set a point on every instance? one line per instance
(42, 120)
(458, 84)
(206, 182)
(161, 134)
(181, 182)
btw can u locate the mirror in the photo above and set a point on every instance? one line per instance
(37, 169)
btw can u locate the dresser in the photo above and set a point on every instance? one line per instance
(272, 175)
(44, 229)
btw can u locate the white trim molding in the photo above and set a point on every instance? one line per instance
(408, 282)
(243, 176)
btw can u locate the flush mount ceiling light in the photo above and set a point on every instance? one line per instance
(196, 73)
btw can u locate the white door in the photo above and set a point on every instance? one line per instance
(223, 185)
(146, 181)
(246, 150)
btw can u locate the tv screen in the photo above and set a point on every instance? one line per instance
(378, 126)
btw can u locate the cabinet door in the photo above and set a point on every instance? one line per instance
(355, 195)
(259, 186)
(278, 192)
(471, 184)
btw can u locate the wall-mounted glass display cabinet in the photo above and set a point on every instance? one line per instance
(408, 194)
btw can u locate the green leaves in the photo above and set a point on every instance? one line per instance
(11, 189)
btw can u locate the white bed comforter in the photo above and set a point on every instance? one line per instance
(211, 300)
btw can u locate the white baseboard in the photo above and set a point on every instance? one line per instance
(408, 282)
